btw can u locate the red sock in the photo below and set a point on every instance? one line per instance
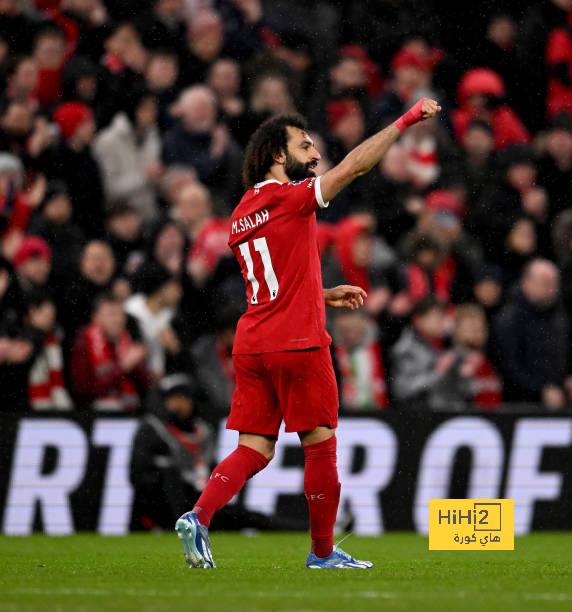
(322, 491)
(227, 479)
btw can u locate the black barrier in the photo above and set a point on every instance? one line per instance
(66, 474)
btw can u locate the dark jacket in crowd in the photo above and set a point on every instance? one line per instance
(219, 174)
(80, 172)
(532, 346)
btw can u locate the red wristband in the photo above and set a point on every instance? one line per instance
(413, 115)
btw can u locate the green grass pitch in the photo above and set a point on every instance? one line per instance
(266, 572)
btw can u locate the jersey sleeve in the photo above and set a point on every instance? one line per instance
(305, 197)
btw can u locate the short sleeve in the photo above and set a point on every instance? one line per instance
(305, 196)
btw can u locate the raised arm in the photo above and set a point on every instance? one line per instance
(366, 155)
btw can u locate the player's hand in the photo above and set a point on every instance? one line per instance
(429, 108)
(345, 296)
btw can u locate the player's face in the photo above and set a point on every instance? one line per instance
(301, 155)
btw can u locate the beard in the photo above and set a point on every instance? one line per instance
(297, 171)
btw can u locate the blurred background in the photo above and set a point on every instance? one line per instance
(122, 130)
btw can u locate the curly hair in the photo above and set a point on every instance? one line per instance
(271, 138)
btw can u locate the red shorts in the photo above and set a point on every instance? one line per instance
(297, 386)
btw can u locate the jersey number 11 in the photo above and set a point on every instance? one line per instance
(260, 246)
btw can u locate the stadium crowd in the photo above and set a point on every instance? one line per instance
(122, 130)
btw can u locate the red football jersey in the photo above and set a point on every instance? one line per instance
(274, 237)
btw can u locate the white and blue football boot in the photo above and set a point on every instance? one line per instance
(338, 559)
(196, 542)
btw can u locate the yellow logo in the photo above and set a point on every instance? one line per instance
(471, 524)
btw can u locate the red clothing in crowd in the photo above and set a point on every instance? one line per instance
(421, 284)
(559, 56)
(20, 215)
(211, 244)
(96, 377)
(507, 127)
(487, 386)
(346, 233)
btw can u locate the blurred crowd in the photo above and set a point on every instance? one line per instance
(122, 130)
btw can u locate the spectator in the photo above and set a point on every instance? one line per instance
(161, 79)
(172, 454)
(555, 166)
(532, 338)
(478, 158)
(360, 258)
(499, 52)
(154, 309)
(562, 246)
(559, 70)
(359, 362)
(49, 54)
(430, 271)
(412, 69)
(212, 357)
(519, 248)
(124, 236)
(46, 388)
(418, 359)
(25, 136)
(107, 367)
(224, 78)
(17, 28)
(480, 95)
(74, 164)
(269, 95)
(22, 81)
(53, 223)
(83, 81)
(514, 194)
(128, 152)
(205, 40)
(167, 246)
(199, 141)
(207, 233)
(16, 348)
(488, 288)
(16, 205)
(33, 264)
(163, 26)
(471, 380)
(95, 276)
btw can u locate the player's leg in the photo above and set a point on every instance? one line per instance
(306, 386)
(322, 490)
(321, 486)
(252, 454)
(254, 409)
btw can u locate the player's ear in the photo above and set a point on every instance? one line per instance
(279, 158)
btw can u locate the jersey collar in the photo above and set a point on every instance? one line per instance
(258, 185)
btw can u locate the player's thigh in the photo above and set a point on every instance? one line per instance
(254, 407)
(306, 388)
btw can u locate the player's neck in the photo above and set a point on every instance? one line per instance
(276, 173)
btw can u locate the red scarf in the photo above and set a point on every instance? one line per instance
(418, 285)
(377, 387)
(46, 389)
(103, 356)
(192, 442)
